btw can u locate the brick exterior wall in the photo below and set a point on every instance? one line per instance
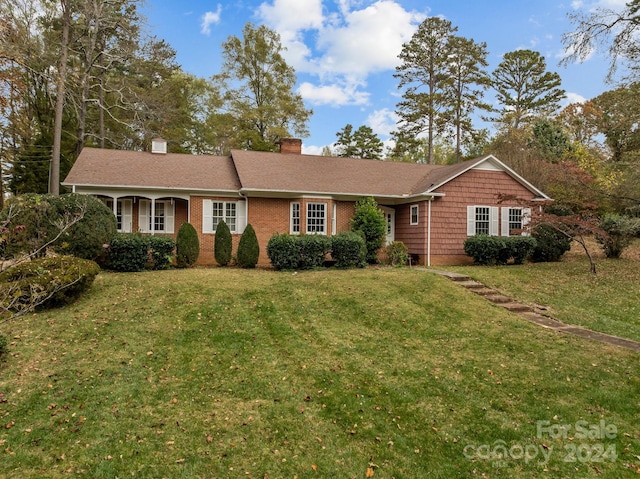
(448, 217)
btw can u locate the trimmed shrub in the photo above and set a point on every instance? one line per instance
(283, 250)
(36, 220)
(518, 248)
(161, 251)
(551, 244)
(129, 252)
(46, 282)
(620, 230)
(187, 246)
(484, 249)
(28, 226)
(397, 253)
(370, 220)
(349, 250)
(86, 238)
(248, 248)
(222, 244)
(313, 250)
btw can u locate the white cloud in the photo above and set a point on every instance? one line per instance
(312, 150)
(338, 47)
(383, 122)
(210, 18)
(334, 94)
(573, 98)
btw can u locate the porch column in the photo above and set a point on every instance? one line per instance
(152, 226)
(115, 206)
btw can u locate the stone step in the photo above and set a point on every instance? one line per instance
(516, 307)
(471, 284)
(498, 298)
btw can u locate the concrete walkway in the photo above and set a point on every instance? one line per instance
(533, 314)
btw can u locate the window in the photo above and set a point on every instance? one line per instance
(295, 218)
(514, 219)
(414, 214)
(123, 214)
(162, 220)
(482, 220)
(317, 218)
(231, 212)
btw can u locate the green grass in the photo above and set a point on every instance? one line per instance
(608, 301)
(215, 373)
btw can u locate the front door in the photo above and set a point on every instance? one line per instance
(390, 219)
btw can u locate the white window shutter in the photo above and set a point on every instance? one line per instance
(504, 221)
(143, 216)
(493, 221)
(526, 219)
(207, 216)
(169, 211)
(127, 216)
(241, 216)
(471, 220)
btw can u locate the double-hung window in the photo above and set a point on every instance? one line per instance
(514, 220)
(231, 212)
(294, 226)
(317, 218)
(123, 214)
(482, 220)
(157, 216)
(414, 214)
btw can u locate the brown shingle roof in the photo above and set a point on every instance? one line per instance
(260, 171)
(99, 167)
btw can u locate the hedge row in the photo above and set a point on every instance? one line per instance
(289, 252)
(490, 250)
(131, 252)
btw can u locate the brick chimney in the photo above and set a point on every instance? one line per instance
(291, 145)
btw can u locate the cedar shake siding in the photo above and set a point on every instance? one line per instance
(265, 185)
(449, 213)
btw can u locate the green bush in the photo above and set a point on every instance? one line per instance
(313, 250)
(397, 253)
(86, 238)
(518, 249)
(222, 244)
(349, 250)
(484, 249)
(161, 251)
(28, 224)
(620, 232)
(129, 252)
(46, 282)
(4, 345)
(35, 220)
(551, 244)
(248, 248)
(283, 250)
(370, 220)
(187, 246)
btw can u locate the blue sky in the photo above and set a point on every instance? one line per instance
(345, 51)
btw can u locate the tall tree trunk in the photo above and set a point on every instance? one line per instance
(54, 176)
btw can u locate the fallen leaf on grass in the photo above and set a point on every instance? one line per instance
(370, 472)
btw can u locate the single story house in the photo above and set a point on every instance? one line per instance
(431, 208)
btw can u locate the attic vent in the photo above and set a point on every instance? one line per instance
(159, 146)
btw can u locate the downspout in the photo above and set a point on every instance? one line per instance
(429, 233)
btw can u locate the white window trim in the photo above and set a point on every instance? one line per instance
(292, 205)
(324, 218)
(207, 215)
(493, 220)
(144, 215)
(417, 208)
(504, 224)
